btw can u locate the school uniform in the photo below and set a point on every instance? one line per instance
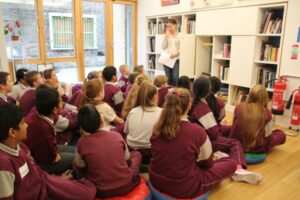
(162, 92)
(42, 142)
(21, 178)
(6, 99)
(107, 114)
(183, 167)
(27, 101)
(76, 87)
(76, 98)
(266, 138)
(128, 87)
(123, 82)
(225, 129)
(139, 127)
(103, 158)
(17, 91)
(203, 115)
(113, 96)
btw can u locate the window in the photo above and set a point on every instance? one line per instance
(61, 31)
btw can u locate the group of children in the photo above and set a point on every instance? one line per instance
(177, 129)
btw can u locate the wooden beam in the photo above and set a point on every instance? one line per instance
(41, 30)
(109, 33)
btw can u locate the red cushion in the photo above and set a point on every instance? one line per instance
(140, 192)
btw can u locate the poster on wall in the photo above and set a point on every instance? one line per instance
(169, 2)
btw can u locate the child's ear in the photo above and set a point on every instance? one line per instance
(55, 110)
(11, 133)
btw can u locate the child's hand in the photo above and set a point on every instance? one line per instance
(67, 175)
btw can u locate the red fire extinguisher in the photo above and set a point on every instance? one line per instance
(295, 100)
(278, 94)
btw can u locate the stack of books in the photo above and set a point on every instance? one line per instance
(190, 28)
(162, 27)
(223, 93)
(239, 95)
(152, 28)
(266, 77)
(152, 44)
(271, 24)
(152, 62)
(223, 72)
(226, 52)
(269, 52)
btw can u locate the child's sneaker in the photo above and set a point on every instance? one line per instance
(246, 176)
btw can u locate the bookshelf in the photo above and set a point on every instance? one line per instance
(155, 35)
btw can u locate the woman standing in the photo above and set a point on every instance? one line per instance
(171, 45)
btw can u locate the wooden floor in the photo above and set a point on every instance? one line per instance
(281, 176)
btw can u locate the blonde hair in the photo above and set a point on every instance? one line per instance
(132, 94)
(121, 68)
(176, 105)
(91, 90)
(252, 120)
(139, 69)
(145, 95)
(160, 80)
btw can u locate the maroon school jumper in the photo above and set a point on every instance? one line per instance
(27, 101)
(23, 179)
(203, 115)
(266, 138)
(102, 154)
(183, 167)
(123, 82)
(41, 139)
(113, 96)
(162, 92)
(225, 129)
(6, 100)
(76, 98)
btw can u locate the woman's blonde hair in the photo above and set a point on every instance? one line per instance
(91, 90)
(132, 94)
(253, 117)
(160, 80)
(176, 104)
(145, 95)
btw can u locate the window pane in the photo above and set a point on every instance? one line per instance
(21, 29)
(94, 35)
(66, 71)
(123, 32)
(59, 28)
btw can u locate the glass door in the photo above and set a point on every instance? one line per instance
(124, 38)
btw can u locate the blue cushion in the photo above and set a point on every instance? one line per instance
(162, 196)
(255, 158)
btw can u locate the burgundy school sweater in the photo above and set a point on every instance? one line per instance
(18, 166)
(76, 98)
(162, 92)
(221, 109)
(113, 96)
(203, 115)
(263, 133)
(41, 139)
(128, 87)
(102, 154)
(27, 101)
(7, 100)
(176, 166)
(123, 82)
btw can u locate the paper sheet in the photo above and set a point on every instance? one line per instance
(166, 60)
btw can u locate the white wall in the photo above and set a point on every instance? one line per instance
(3, 56)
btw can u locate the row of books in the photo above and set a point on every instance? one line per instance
(224, 72)
(239, 95)
(152, 44)
(223, 93)
(226, 50)
(162, 27)
(152, 28)
(266, 77)
(152, 62)
(272, 24)
(190, 28)
(269, 52)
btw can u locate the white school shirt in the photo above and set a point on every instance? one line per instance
(171, 45)
(107, 114)
(139, 126)
(18, 91)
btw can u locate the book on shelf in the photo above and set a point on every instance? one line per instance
(223, 93)
(272, 24)
(226, 50)
(266, 77)
(152, 28)
(269, 52)
(224, 72)
(152, 62)
(162, 27)
(190, 28)
(152, 44)
(239, 95)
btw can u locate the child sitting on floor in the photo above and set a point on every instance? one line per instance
(103, 157)
(161, 82)
(6, 86)
(252, 124)
(20, 177)
(123, 80)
